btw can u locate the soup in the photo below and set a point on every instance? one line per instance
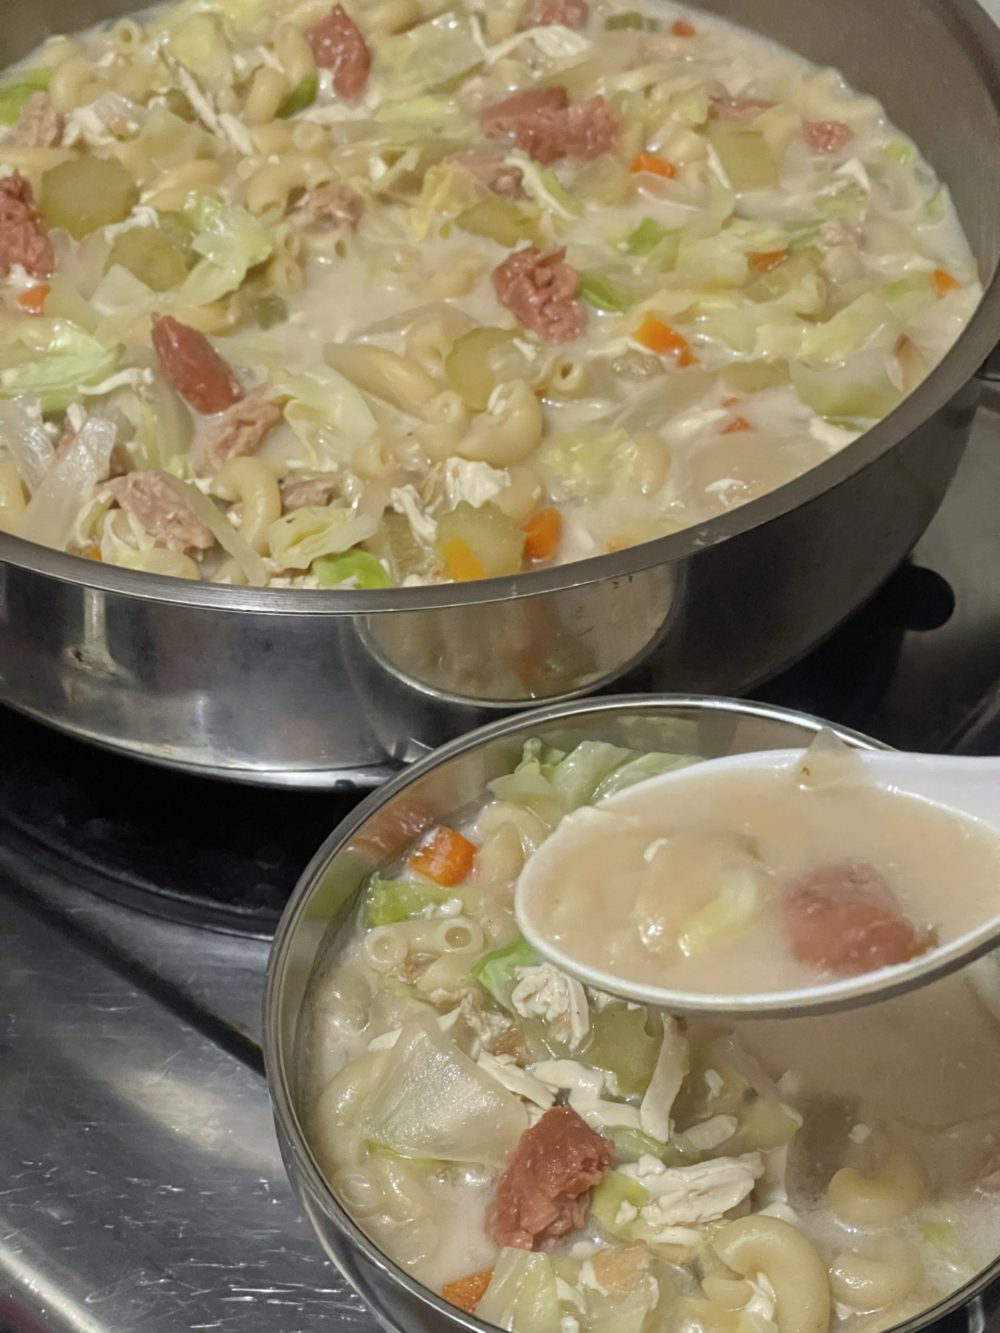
(760, 882)
(559, 1161)
(433, 293)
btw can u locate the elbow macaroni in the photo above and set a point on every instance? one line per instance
(790, 1263)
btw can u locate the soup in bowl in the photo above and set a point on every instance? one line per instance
(478, 1136)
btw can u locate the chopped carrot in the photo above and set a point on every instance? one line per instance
(684, 29)
(461, 561)
(467, 1292)
(665, 341)
(657, 166)
(93, 553)
(446, 858)
(764, 263)
(736, 425)
(730, 402)
(542, 534)
(944, 282)
(617, 544)
(32, 299)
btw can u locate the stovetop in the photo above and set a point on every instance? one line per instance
(140, 1183)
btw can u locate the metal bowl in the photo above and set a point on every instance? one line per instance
(327, 894)
(315, 688)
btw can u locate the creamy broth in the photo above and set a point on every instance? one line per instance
(862, 1149)
(721, 885)
(259, 321)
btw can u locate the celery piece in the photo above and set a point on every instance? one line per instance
(494, 539)
(180, 234)
(390, 900)
(631, 1144)
(745, 156)
(630, 19)
(301, 97)
(644, 239)
(467, 365)
(502, 221)
(607, 1199)
(626, 1041)
(17, 88)
(358, 569)
(601, 293)
(86, 193)
(495, 971)
(268, 310)
(765, 1124)
(151, 257)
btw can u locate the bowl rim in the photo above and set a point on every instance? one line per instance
(980, 39)
(307, 1174)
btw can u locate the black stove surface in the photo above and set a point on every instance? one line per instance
(918, 667)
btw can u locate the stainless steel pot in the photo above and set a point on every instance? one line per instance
(317, 688)
(328, 891)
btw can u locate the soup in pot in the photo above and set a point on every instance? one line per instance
(560, 1161)
(414, 293)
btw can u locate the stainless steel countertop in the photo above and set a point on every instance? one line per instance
(142, 1185)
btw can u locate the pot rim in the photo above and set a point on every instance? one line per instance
(307, 1175)
(980, 38)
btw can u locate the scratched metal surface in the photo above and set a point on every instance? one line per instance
(140, 1183)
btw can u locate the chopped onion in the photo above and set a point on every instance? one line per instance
(221, 529)
(25, 437)
(53, 508)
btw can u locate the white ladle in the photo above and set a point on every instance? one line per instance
(967, 787)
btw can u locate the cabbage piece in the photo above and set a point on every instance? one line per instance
(426, 57)
(866, 322)
(860, 389)
(495, 971)
(297, 539)
(27, 441)
(737, 906)
(17, 88)
(238, 14)
(501, 220)
(231, 243)
(582, 462)
(353, 569)
(552, 783)
(434, 1102)
(323, 402)
(390, 900)
(910, 296)
(848, 201)
(608, 1197)
(447, 191)
(647, 237)
(715, 214)
(55, 504)
(52, 359)
(745, 155)
(243, 555)
(628, 1313)
(544, 187)
(522, 1294)
(201, 46)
